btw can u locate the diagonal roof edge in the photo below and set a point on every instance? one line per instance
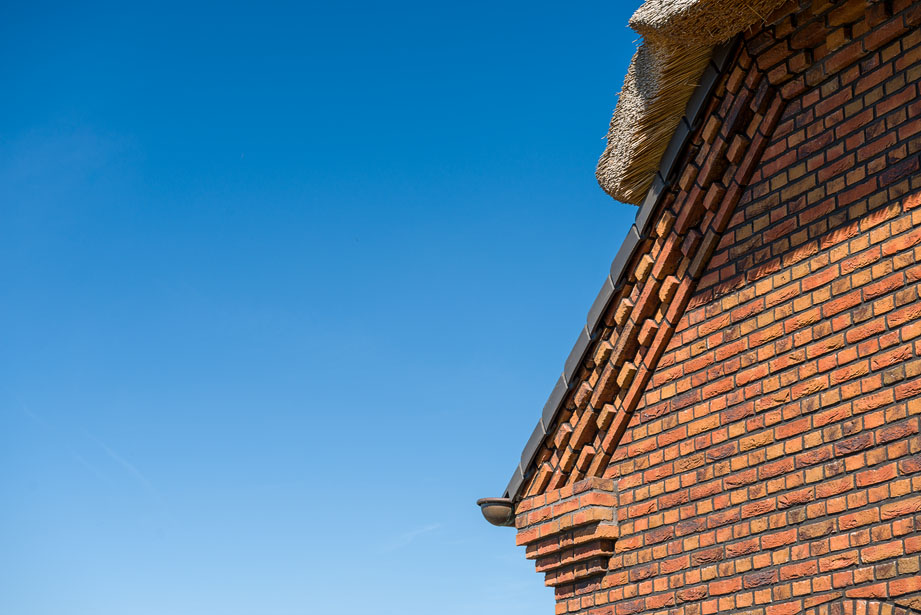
(662, 178)
(678, 38)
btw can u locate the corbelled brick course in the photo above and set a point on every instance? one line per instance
(745, 431)
(570, 531)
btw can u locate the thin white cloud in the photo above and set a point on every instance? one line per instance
(92, 469)
(406, 538)
(126, 465)
(67, 438)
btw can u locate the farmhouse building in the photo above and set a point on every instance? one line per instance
(737, 427)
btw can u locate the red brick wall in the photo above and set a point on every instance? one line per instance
(771, 461)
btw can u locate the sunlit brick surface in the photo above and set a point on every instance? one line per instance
(755, 395)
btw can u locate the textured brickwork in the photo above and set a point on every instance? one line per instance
(642, 318)
(755, 398)
(570, 532)
(859, 607)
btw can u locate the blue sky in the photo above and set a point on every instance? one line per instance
(285, 288)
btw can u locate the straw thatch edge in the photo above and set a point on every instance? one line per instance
(679, 37)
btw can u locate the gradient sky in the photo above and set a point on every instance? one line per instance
(285, 288)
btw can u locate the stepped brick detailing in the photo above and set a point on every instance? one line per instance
(570, 532)
(755, 394)
(642, 318)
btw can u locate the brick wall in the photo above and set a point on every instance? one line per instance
(755, 397)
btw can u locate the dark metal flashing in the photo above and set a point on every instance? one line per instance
(554, 402)
(675, 146)
(618, 266)
(511, 491)
(600, 304)
(635, 236)
(722, 54)
(537, 436)
(644, 213)
(575, 355)
(701, 95)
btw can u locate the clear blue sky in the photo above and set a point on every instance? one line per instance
(284, 289)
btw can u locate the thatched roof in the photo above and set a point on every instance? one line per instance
(679, 37)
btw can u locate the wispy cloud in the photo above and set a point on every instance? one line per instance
(92, 469)
(37, 419)
(407, 538)
(48, 427)
(65, 436)
(126, 465)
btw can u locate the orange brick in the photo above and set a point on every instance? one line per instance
(757, 398)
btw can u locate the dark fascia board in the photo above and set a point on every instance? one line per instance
(675, 147)
(721, 57)
(649, 205)
(554, 402)
(600, 304)
(575, 355)
(723, 53)
(511, 491)
(631, 241)
(534, 442)
(701, 95)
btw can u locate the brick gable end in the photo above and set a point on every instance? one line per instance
(755, 398)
